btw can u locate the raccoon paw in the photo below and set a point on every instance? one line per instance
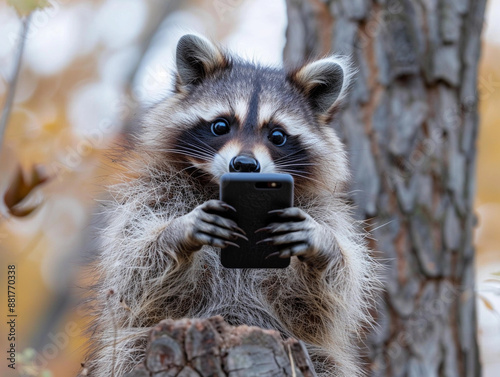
(206, 225)
(294, 232)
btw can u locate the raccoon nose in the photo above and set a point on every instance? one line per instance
(244, 164)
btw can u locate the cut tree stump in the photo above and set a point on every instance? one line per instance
(211, 347)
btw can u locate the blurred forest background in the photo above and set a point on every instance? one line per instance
(88, 67)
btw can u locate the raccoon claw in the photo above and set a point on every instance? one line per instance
(205, 225)
(287, 238)
(216, 205)
(237, 228)
(265, 229)
(298, 250)
(291, 226)
(227, 243)
(291, 213)
(294, 232)
(238, 235)
(291, 244)
(227, 206)
(267, 240)
(206, 239)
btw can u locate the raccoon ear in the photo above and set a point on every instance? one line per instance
(323, 82)
(196, 58)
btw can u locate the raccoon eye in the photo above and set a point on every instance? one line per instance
(278, 138)
(220, 127)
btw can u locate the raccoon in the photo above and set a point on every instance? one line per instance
(165, 226)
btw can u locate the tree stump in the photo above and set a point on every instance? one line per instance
(211, 347)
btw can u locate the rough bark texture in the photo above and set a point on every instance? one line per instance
(210, 347)
(410, 125)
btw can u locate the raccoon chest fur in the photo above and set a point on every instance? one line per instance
(238, 295)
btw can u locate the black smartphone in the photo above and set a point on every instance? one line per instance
(253, 195)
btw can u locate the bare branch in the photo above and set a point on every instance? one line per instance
(11, 89)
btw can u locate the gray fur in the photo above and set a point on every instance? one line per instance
(196, 58)
(152, 256)
(321, 82)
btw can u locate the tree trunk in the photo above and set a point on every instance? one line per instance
(210, 347)
(410, 126)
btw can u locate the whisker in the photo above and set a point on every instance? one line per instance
(288, 155)
(297, 174)
(196, 148)
(301, 164)
(189, 153)
(290, 160)
(201, 141)
(305, 174)
(380, 226)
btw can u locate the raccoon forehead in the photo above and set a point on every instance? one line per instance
(254, 97)
(245, 86)
(208, 110)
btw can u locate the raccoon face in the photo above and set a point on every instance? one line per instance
(228, 115)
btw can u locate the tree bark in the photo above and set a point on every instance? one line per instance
(410, 126)
(210, 347)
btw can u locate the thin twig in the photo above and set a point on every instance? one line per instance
(11, 89)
